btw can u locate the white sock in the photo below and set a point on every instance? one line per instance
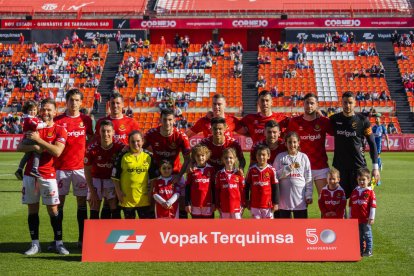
(36, 242)
(59, 243)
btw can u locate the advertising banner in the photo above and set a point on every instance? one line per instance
(13, 35)
(9, 142)
(57, 24)
(220, 240)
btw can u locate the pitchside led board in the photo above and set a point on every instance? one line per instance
(220, 240)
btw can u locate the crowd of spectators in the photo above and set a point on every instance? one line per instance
(402, 39)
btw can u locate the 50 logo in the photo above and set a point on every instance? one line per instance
(327, 236)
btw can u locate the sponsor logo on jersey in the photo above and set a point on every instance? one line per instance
(125, 240)
(331, 202)
(346, 133)
(311, 137)
(137, 170)
(104, 165)
(165, 153)
(167, 192)
(230, 186)
(120, 136)
(76, 133)
(260, 183)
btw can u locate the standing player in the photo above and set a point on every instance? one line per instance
(272, 141)
(380, 130)
(69, 166)
(312, 130)
(218, 107)
(350, 131)
(255, 123)
(262, 182)
(218, 142)
(123, 125)
(99, 159)
(51, 143)
(166, 142)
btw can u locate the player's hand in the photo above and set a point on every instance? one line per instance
(34, 135)
(370, 221)
(241, 172)
(309, 201)
(376, 175)
(120, 195)
(275, 207)
(93, 199)
(165, 205)
(188, 209)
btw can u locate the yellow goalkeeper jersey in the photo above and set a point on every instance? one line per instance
(133, 173)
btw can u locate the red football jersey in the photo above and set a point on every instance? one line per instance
(201, 182)
(217, 151)
(122, 126)
(332, 201)
(204, 125)
(30, 123)
(102, 160)
(78, 128)
(47, 162)
(229, 191)
(260, 189)
(273, 152)
(255, 124)
(361, 202)
(312, 139)
(167, 147)
(164, 187)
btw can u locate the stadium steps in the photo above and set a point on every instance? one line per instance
(250, 76)
(108, 75)
(394, 82)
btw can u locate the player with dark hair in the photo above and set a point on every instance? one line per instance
(69, 166)
(50, 142)
(350, 130)
(218, 110)
(255, 123)
(312, 130)
(166, 142)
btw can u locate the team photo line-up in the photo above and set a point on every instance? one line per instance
(141, 174)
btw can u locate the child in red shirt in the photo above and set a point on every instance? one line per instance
(332, 199)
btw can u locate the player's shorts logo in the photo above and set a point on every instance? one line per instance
(125, 240)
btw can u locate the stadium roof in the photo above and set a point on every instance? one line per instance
(33, 7)
(281, 6)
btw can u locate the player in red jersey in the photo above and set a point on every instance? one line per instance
(69, 166)
(276, 146)
(217, 142)
(99, 159)
(332, 199)
(218, 107)
(50, 142)
(199, 189)
(229, 190)
(255, 123)
(261, 186)
(123, 125)
(166, 142)
(362, 205)
(165, 192)
(312, 130)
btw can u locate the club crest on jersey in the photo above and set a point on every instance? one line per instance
(236, 178)
(266, 175)
(338, 196)
(157, 144)
(122, 128)
(81, 125)
(173, 146)
(300, 128)
(145, 164)
(99, 157)
(208, 174)
(317, 128)
(49, 134)
(354, 125)
(366, 196)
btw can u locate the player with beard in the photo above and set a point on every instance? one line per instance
(123, 125)
(69, 166)
(312, 130)
(50, 142)
(166, 142)
(218, 107)
(255, 123)
(350, 131)
(272, 141)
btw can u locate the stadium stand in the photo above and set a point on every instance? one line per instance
(405, 59)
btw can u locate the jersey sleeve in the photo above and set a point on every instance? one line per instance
(321, 204)
(61, 135)
(253, 155)
(198, 126)
(327, 126)
(373, 200)
(88, 160)
(247, 184)
(88, 124)
(239, 152)
(147, 139)
(152, 171)
(185, 147)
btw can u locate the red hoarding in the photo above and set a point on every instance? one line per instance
(57, 24)
(221, 240)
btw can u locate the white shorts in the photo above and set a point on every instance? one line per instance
(104, 188)
(76, 177)
(201, 211)
(261, 213)
(32, 189)
(320, 174)
(230, 215)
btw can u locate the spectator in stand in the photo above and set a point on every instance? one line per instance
(262, 42)
(279, 46)
(76, 40)
(359, 96)
(362, 52)
(351, 38)
(344, 38)
(383, 96)
(21, 39)
(35, 48)
(261, 82)
(391, 129)
(400, 55)
(268, 43)
(118, 40)
(66, 43)
(328, 38)
(395, 37)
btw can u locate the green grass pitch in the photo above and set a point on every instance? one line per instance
(393, 235)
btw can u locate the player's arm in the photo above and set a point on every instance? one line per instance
(372, 149)
(28, 148)
(321, 204)
(188, 195)
(240, 157)
(275, 191)
(116, 177)
(386, 138)
(190, 133)
(247, 185)
(373, 205)
(54, 149)
(341, 207)
(93, 198)
(308, 181)
(241, 189)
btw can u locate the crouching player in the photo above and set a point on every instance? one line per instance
(229, 194)
(261, 187)
(362, 206)
(332, 199)
(165, 192)
(199, 189)
(99, 159)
